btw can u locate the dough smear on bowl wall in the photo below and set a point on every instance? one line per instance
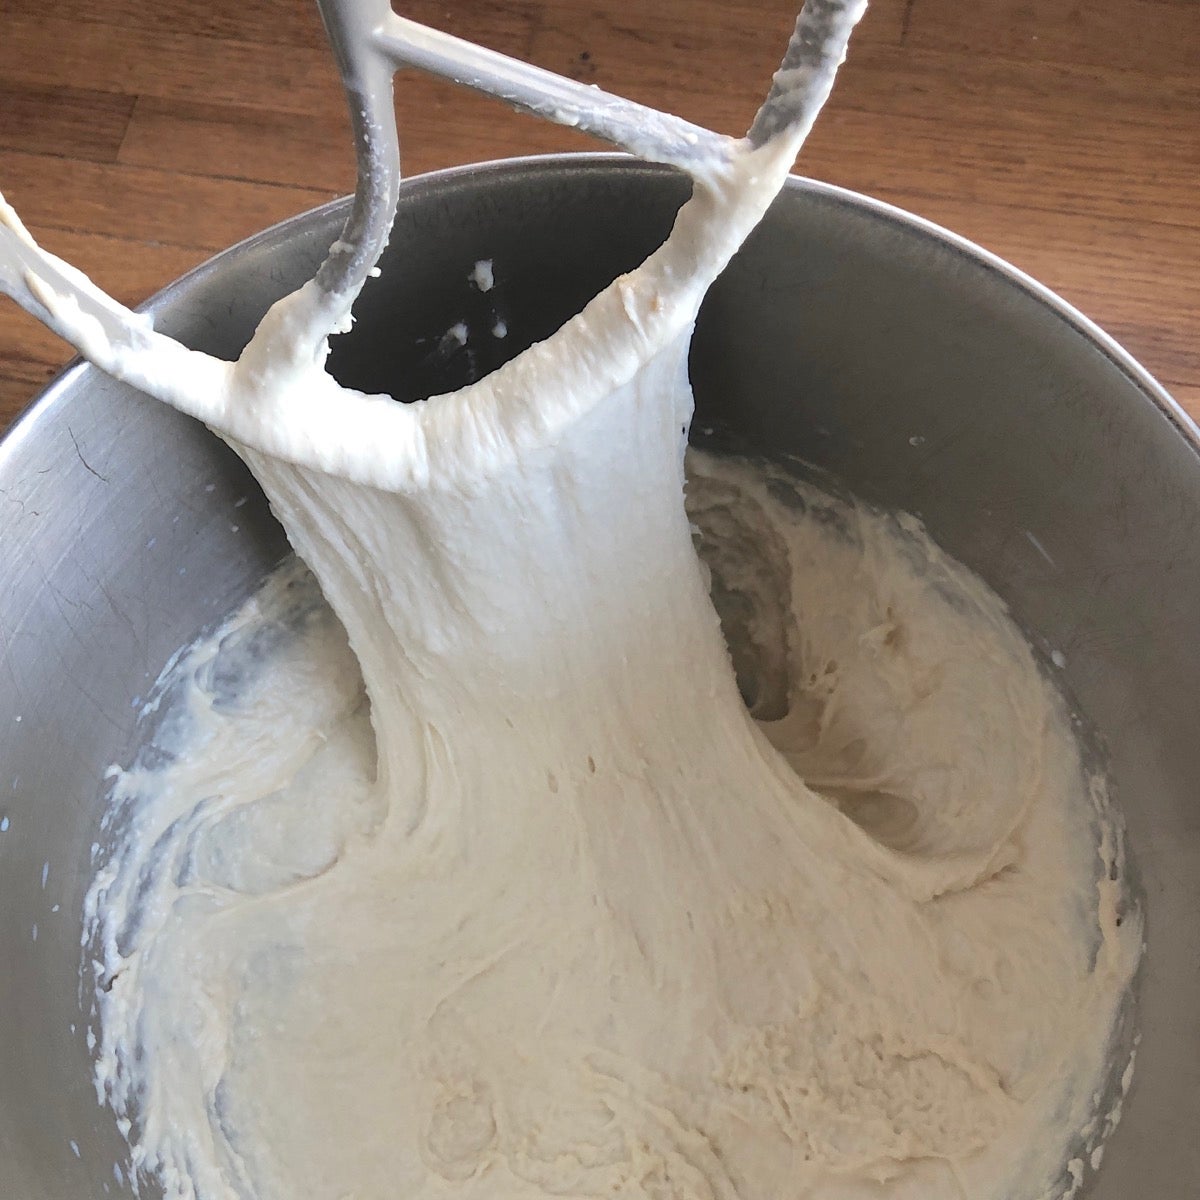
(460, 866)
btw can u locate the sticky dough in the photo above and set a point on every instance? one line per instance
(501, 893)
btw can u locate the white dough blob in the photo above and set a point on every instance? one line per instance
(591, 934)
(502, 894)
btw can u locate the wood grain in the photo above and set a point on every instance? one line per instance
(65, 121)
(1153, 37)
(138, 137)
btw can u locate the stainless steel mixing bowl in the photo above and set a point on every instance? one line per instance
(920, 371)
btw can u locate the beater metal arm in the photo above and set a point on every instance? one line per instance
(370, 42)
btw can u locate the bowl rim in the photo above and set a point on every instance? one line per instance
(41, 404)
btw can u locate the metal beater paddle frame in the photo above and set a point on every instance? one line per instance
(370, 43)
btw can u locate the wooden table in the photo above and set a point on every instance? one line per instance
(138, 137)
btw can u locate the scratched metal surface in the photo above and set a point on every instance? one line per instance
(922, 374)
